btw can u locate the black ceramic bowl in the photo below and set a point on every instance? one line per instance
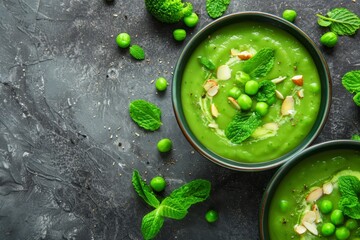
(313, 158)
(278, 23)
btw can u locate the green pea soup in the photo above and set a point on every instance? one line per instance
(291, 59)
(289, 204)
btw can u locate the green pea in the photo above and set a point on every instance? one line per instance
(327, 229)
(289, 15)
(158, 183)
(351, 224)
(123, 40)
(271, 100)
(251, 87)
(161, 84)
(284, 205)
(342, 233)
(337, 217)
(234, 92)
(245, 102)
(329, 39)
(314, 87)
(325, 206)
(242, 77)
(211, 216)
(191, 20)
(262, 108)
(179, 34)
(164, 145)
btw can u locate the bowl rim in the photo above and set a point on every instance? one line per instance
(342, 144)
(306, 41)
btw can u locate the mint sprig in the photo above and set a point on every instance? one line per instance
(242, 127)
(261, 64)
(145, 114)
(341, 21)
(351, 81)
(349, 203)
(175, 206)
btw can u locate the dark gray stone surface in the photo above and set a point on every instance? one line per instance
(68, 146)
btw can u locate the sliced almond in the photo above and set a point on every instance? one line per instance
(298, 80)
(223, 72)
(309, 216)
(299, 229)
(244, 55)
(328, 188)
(234, 52)
(214, 111)
(234, 103)
(311, 227)
(213, 91)
(314, 195)
(271, 126)
(209, 83)
(279, 95)
(278, 80)
(316, 210)
(287, 106)
(300, 93)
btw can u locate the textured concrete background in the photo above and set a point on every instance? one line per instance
(68, 146)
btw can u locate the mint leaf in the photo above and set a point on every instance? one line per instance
(151, 224)
(192, 192)
(241, 127)
(144, 190)
(343, 21)
(356, 99)
(207, 63)
(172, 208)
(216, 8)
(349, 187)
(137, 52)
(323, 23)
(351, 81)
(260, 64)
(145, 114)
(266, 91)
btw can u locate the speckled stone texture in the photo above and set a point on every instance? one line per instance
(68, 146)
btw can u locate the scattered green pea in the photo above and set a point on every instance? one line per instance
(164, 145)
(191, 20)
(327, 229)
(351, 224)
(251, 87)
(271, 100)
(179, 34)
(337, 217)
(342, 233)
(245, 102)
(123, 40)
(329, 39)
(261, 108)
(284, 205)
(234, 92)
(158, 183)
(325, 206)
(242, 77)
(211, 216)
(161, 84)
(289, 15)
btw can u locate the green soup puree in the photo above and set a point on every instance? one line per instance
(209, 116)
(292, 200)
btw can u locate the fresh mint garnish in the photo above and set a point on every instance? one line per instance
(175, 206)
(242, 126)
(145, 114)
(351, 81)
(341, 21)
(216, 8)
(137, 52)
(355, 137)
(266, 91)
(261, 64)
(207, 63)
(349, 187)
(144, 190)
